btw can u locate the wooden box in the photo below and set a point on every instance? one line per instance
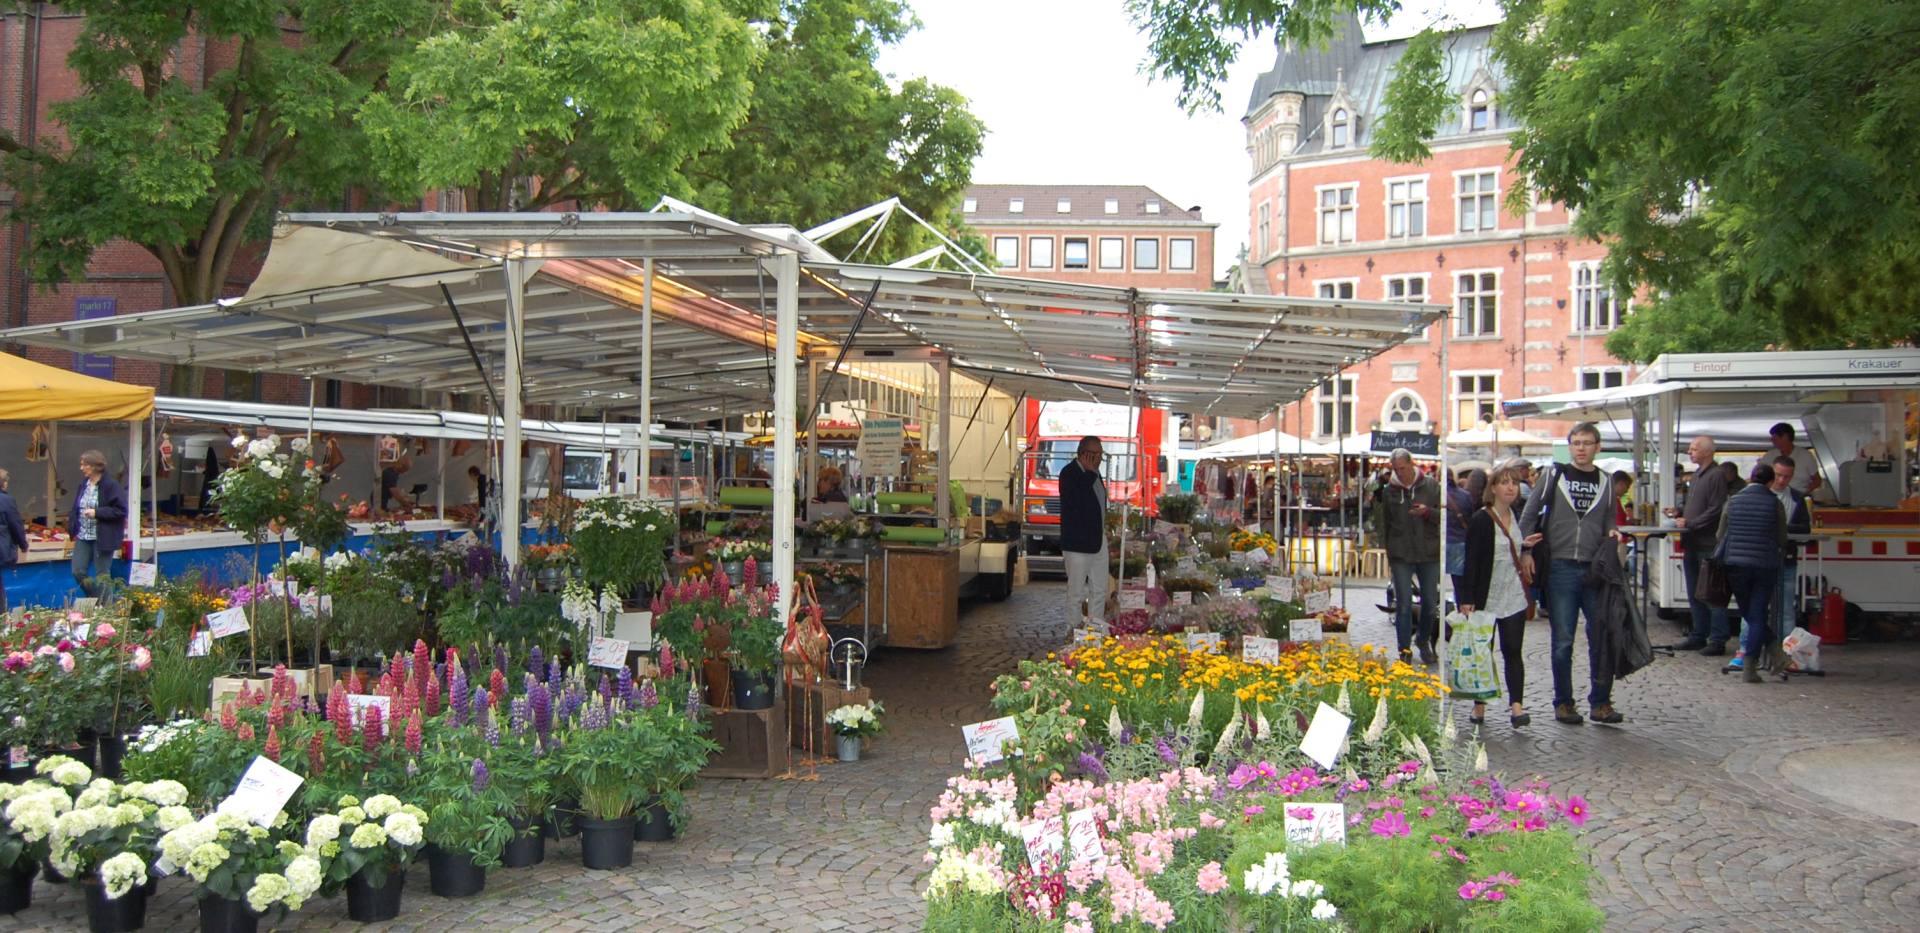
(753, 743)
(810, 704)
(922, 594)
(227, 688)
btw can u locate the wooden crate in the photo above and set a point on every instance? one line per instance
(922, 596)
(753, 743)
(824, 698)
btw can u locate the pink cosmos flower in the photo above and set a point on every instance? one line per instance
(1426, 813)
(1577, 810)
(1496, 895)
(1471, 890)
(1392, 825)
(1212, 880)
(66, 662)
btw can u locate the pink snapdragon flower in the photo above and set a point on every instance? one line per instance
(1211, 880)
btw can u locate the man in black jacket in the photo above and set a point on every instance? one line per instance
(1083, 533)
(1699, 524)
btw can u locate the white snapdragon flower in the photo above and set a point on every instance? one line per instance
(1324, 911)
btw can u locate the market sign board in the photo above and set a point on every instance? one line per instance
(881, 441)
(1418, 444)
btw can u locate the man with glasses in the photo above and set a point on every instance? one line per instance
(1083, 534)
(1410, 523)
(1571, 512)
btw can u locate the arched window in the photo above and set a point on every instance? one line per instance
(1339, 134)
(1479, 111)
(1404, 412)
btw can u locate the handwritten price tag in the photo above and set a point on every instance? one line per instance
(1083, 839)
(201, 644)
(1257, 650)
(985, 740)
(359, 703)
(608, 652)
(1203, 641)
(263, 791)
(1316, 601)
(1131, 599)
(143, 574)
(1183, 598)
(1304, 630)
(1280, 586)
(227, 622)
(1043, 838)
(1312, 824)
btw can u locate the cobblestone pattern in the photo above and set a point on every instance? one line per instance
(1694, 826)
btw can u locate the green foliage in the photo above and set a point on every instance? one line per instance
(641, 754)
(1179, 508)
(621, 544)
(460, 818)
(1693, 320)
(1387, 884)
(1192, 44)
(1415, 101)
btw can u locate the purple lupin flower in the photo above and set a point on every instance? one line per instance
(457, 706)
(492, 730)
(606, 689)
(594, 718)
(482, 708)
(649, 697)
(480, 776)
(516, 585)
(500, 658)
(540, 707)
(536, 659)
(693, 701)
(624, 686)
(554, 681)
(517, 716)
(571, 701)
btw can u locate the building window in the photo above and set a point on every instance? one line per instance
(1113, 252)
(1180, 254)
(1340, 136)
(1017, 206)
(1039, 252)
(1404, 411)
(1410, 288)
(1479, 111)
(1146, 254)
(1476, 300)
(969, 205)
(1063, 206)
(1006, 251)
(1112, 206)
(1603, 377)
(1326, 404)
(1476, 398)
(1266, 231)
(1074, 249)
(1153, 206)
(1477, 201)
(1407, 208)
(1336, 214)
(1594, 308)
(1341, 289)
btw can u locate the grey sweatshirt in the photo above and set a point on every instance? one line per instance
(1580, 517)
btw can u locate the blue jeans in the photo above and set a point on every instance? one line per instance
(1786, 600)
(1403, 572)
(1568, 597)
(1753, 589)
(91, 558)
(1709, 624)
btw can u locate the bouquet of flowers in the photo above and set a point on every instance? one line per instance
(380, 836)
(735, 550)
(230, 857)
(1246, 541)
(856, 719)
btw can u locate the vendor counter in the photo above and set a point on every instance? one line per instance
(918, 586)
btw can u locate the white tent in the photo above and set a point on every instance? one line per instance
(1495, 434)
(1261, 445)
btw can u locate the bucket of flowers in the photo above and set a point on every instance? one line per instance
(853, 722)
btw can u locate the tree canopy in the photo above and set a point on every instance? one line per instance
(1750, 166)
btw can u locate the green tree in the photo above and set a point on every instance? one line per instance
(1749, 165)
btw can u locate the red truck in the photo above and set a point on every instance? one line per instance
(1135, 469)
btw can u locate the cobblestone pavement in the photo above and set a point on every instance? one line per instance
(1696, 823)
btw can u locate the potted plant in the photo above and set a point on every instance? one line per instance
(105, 842)
(27, 814)
(604, 761)
(523, 776)
(621, 545)
(675, 748)
(754, 649)
(367, 848)
(468, 826)
(240, 870)
(853, 722)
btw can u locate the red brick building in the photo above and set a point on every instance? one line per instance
(1329, 219)
(1126, 235)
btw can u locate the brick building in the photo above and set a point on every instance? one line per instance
(1530, 314)
(1126, 235)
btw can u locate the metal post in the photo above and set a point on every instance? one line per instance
(786, 271)
(1279, 516)
(440, 472)
(135, 444)
(1126, 502)
(645, 469)
(510, 461)
(942, 498)
(153, 527)
(1340, 468)
(810, 474)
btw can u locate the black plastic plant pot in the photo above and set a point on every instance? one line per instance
(16, 888)
(113, 751)
(368, 904)
(606, 844)
(122, 914)
(529, 844)
(652, 824)
(223, 915)
(453, 874)
(752, 691)
(561, 823)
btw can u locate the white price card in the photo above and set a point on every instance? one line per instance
(1259, 555)
(200, 645)
(1132, 599)
(142, 574)
(263, 791)
(1083, 840)
(80, 632)
(1085, 634)
(309, 603)
(227, 621)
(1183, 598)
(1326, 735)
(1311, 824)
(1280, 587)
(1203, 641)
(985, 740)
(1043, 838)
(608, 652)
(1304, 630)
(359, 703)
(1316, 601)
(1257, 650)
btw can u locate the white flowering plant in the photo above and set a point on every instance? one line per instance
(263, 490)
(110, 834)
(620, 543)
(229, 856)
(857, 719)
(368, 838)
(27, 814)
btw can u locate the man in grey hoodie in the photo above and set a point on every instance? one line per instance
(1572, 507)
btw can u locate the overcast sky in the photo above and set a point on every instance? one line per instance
(1059, 85)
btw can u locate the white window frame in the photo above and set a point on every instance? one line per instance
(1348, 226)
(1193, 254)
(1066, 253)
(1424, 202)
(1063, 206)
(970, 205)
(1596, 290)
(1387, 409)
(1016, 205)
(1485, 105)
(1349, 400)
(1034, 261)
(1351, 285)
(1460, 318)
(1475, 398)
(1153, 205)
(1135, 245)
(1266, 231)
(1340, 129)
(1100, 260)
(1426, 294)
(1112, 206)
(1459, 216)
(1601, 373)
(1010, 242)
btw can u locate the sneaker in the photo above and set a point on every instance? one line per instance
(1607, 714)
(1714, 649)
(1565, 713)
(1691, 644)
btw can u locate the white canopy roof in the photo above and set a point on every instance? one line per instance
(1260, 445)
(448, 425)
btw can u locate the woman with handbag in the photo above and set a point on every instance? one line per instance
(1494, 583)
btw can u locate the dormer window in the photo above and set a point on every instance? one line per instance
(1153, 206)
(969, 205)
(1479, 111)
(1112, 206)
(1063, 206)
(1341, 131)
(1017, 206)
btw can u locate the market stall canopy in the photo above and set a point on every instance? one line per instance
(447, 425)
(1732, 378)
(31, 391)
(1260, 446)
(1490, 434)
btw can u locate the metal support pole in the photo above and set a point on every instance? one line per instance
(811, 473)
(510, 461)
(786, 272)
(136, 442)
(942, 498)
(1340, 468)
(153, 527)
(1279, 515)
(645, 469)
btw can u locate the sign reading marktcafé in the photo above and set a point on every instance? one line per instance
(1423, 445)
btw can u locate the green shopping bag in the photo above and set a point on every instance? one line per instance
(1471, 673)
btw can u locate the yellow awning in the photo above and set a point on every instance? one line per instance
(31, 391)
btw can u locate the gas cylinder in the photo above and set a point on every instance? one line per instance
(1833, 618)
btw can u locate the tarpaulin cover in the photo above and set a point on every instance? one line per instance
(31, 391)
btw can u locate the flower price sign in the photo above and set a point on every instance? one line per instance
(140, 573)
(1257, 650)
(263, 791)
(1043, 838)
(1326, 735)
(1304, 630)
(985, 740)
(608, 652)
(1314, 823)
(227, 621)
